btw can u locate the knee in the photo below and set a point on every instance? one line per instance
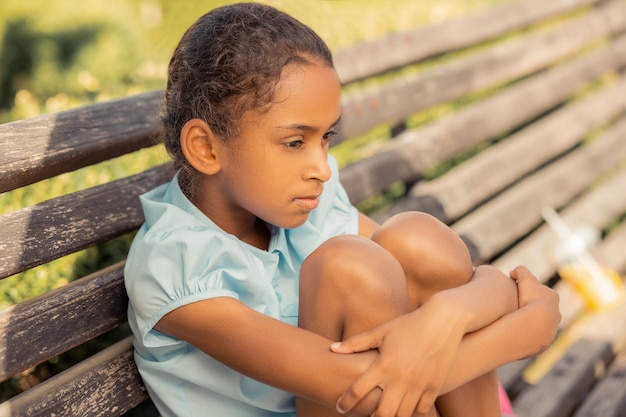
(351, 265)
(428, 250)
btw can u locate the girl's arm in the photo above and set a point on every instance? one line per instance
(301, 362)
(505, 340)
(412, 370)
(266, 349)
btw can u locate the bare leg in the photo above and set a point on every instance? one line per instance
(347, 286)
(476, 398)
(434, 259)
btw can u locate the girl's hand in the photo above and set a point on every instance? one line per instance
(416, 353)
(534, 294)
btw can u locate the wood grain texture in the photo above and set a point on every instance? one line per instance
(503, 63)
(414, 151)
(500, 222)
(597, 208)
(400, 49)
(53, 323)
(608, 398)
(73, 222)
(107, 384)
(66, 141)
(569, 380)
(469, 184)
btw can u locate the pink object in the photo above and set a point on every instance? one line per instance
(505, 404)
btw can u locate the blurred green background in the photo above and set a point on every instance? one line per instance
(60, 55)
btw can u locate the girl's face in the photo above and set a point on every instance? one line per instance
(276, 169)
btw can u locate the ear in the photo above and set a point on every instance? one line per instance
(200, 146)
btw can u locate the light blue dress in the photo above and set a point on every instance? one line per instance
(180, 256)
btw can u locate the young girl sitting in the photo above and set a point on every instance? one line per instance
(252, 263)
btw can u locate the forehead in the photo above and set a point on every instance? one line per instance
(307, 91)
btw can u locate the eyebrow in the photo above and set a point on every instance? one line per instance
(306, 128)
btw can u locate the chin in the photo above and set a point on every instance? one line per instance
(292, 224)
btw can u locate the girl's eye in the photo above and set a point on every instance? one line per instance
(294, 144)
(329, 135)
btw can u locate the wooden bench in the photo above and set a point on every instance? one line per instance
(481, 121)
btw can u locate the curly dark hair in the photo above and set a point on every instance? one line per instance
(228, 62)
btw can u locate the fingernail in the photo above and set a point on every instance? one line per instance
(338, 407)
(335, 345)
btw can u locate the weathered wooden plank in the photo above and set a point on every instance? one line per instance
(597, 209)
(416, 150)
(73, 222)
(608, 325)
(107, 384)
(604, 326)
(51, 324)
(613, 254)
(62, 142)
(510, 216)
(395, 101)
(404, 48)
(472, 182)
(608, 399)
(563, 388)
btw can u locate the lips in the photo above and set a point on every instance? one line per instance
(308, 203)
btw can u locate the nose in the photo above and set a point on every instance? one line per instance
(319, 167)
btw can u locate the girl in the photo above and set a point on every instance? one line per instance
(254, 236)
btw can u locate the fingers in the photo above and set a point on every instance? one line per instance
(389, 402)
(355, 393)
(412, 404)
(359, 343)
(395, 400)
(522, 273)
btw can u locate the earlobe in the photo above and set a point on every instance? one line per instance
(199, 146)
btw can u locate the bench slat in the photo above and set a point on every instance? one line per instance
(596, 209)
(608, 399)
(51, 324)
(73, 222)
(616, 240)
(560, 391)
(105, 384)
(502, 221)
(464, 187)
(74, 139)
(414, 151)
(399, 49)
(395, 101)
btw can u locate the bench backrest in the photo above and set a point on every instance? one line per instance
(530, 95)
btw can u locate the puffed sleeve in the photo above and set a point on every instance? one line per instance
(178, 260)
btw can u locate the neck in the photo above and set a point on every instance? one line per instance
(233, 220)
